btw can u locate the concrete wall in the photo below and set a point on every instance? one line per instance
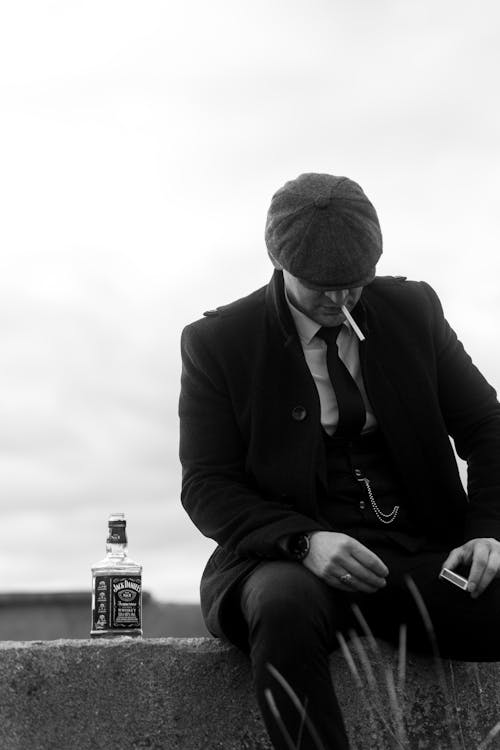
(196, 694)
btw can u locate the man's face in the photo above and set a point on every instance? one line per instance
(319, 303)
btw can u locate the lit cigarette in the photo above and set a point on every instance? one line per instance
(351, 320)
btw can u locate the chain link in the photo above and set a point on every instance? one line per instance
(381, 516)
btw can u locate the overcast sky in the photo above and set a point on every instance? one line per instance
(140, 145)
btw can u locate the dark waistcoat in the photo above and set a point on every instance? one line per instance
(364, 497)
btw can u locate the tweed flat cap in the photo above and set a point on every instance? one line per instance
(324, 230)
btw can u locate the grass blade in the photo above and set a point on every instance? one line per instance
(350, 661)
(373, 698)
(397, 711)
(438, 664)
(402, 657)
(298, 705)
(365, 662)
(366, 629)
(277, 717)
(491, 734)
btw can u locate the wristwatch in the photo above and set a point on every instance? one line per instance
(298, 546)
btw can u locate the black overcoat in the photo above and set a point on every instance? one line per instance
(251, 438)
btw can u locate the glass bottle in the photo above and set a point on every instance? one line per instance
(116, 587)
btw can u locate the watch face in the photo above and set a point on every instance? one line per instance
(300, 546)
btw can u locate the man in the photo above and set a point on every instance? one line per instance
(316, 417)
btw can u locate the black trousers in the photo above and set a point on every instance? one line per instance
(293, 617)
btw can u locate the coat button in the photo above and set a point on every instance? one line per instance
(299, 413)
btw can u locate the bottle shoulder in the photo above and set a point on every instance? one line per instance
(116, 564)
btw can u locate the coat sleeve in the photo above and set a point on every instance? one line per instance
(472, 414)
(217, 492)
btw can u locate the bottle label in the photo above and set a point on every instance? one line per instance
(117, 533)
(116, 603)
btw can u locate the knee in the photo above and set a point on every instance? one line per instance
(283, 596)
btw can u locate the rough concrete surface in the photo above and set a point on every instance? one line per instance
(196, 694)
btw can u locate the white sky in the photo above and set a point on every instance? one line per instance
(140, 145)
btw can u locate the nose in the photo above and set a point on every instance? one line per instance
(338, 296)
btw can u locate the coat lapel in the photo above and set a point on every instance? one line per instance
(384, 371)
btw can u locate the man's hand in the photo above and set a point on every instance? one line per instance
(332, 555)
(483, 556)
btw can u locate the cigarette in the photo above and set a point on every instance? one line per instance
(351, 320)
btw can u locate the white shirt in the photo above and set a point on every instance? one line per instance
(314, 350)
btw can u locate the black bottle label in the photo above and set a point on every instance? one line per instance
(117, 603)
(117, 533)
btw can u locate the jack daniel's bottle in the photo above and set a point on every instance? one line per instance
(116, 587)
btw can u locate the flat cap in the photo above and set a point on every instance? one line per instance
(324, 230)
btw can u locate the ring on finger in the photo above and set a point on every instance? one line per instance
(346, 578)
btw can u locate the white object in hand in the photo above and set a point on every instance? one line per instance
(351, 320)
(449, 575)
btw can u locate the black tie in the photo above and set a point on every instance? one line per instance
(352, 412)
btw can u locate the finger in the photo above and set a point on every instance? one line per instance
(334, 574)
(489, 573)
(479, 562)
(363, 574)
(360, 587)
(369, 560)
(456, 557)
(354, 584)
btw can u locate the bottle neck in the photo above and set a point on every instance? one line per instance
(116, 543)
(115, 549)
